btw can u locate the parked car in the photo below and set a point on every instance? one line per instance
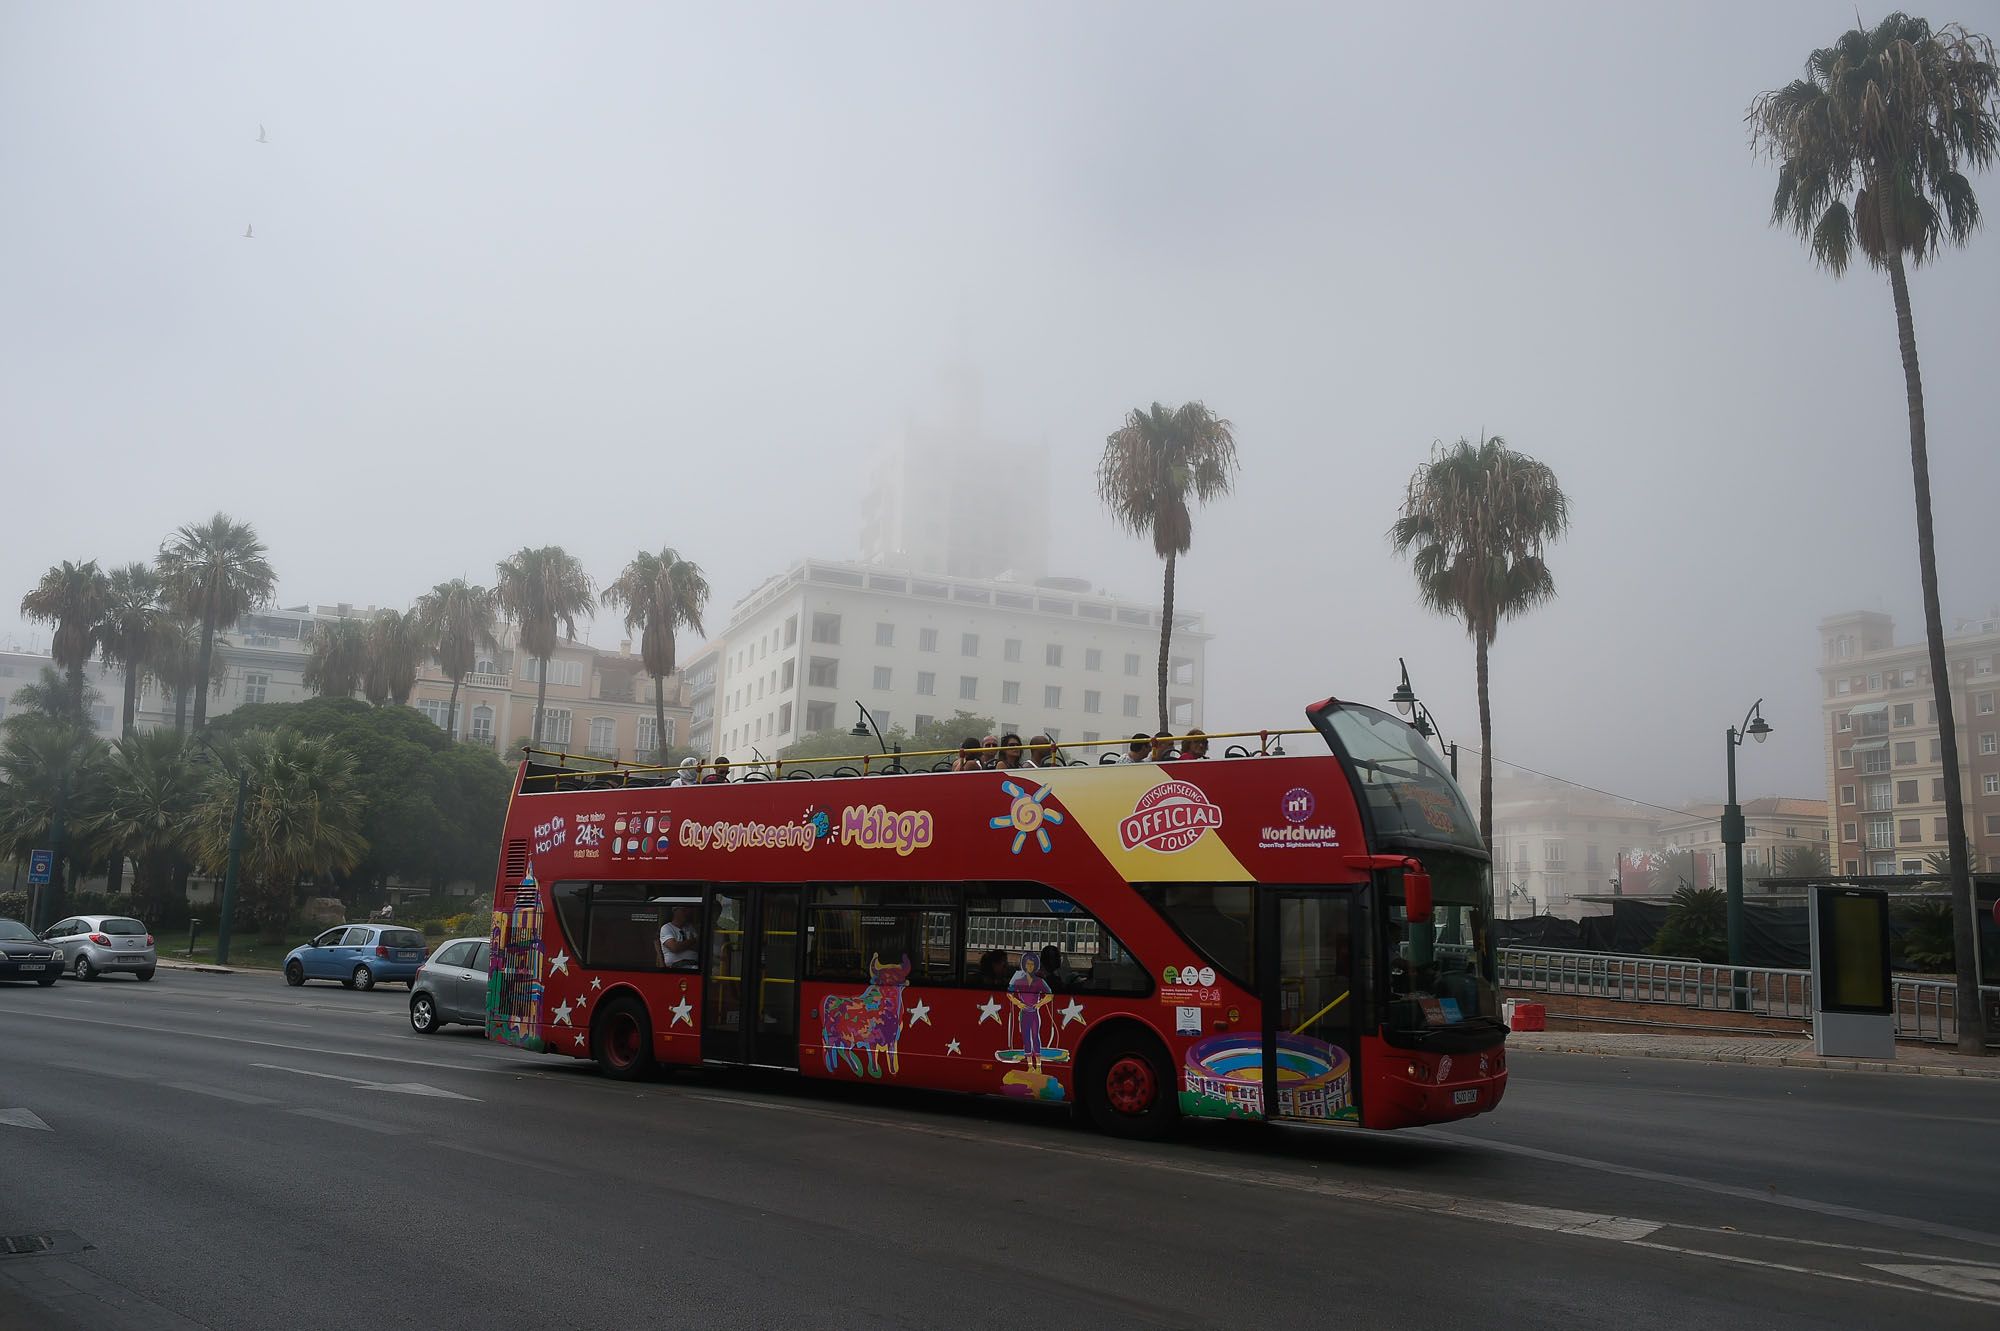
(359, 956)
(451, 986)
(94, 945)
(26, 957)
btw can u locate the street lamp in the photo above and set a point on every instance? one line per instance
(228, 909)
(1756, 727)
(1421, 720)
(865, 722)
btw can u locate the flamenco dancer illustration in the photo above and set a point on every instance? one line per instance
(1029, 993)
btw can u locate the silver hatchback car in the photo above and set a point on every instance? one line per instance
(94, 945)
(451, 986)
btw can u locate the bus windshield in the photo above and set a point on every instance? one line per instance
(1407, 789)
(1441, 974)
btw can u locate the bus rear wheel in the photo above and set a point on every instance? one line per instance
(621, 1039)
(1128, 1089)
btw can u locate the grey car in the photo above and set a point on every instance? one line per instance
(94, 945)
(451, 986)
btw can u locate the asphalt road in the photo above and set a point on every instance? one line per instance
(224, 1152)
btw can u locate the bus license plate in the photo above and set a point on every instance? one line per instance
(1465, 1097)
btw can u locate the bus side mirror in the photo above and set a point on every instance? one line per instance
(1416, 896)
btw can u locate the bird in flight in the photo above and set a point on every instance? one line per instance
(247, 234)
(260, 135)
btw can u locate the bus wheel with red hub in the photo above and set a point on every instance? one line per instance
(622, 1039)
(1128, 1089)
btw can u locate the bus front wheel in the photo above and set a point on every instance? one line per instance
(1129, 1089)
(621, 1039)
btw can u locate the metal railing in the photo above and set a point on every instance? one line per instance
(1926, 1007)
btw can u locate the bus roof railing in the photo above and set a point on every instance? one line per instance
(622, 772)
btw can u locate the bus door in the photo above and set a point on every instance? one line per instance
(1308, 970)
(750, 1008)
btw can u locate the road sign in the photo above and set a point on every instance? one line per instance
(40, 862)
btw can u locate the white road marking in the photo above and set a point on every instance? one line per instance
(234, 1097)
(400, 1087)
(1981, 1282)
(24, 1118)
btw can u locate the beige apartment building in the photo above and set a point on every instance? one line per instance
(1884, 756)
(1773, 826)
(1556, 844)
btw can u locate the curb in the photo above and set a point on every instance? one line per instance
(1787, 1061)
(210, 968)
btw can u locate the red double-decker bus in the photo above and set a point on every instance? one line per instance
(1302, 938)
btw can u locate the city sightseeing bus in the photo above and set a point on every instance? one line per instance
(1301, 938)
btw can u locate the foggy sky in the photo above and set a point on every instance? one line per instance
(618, 276)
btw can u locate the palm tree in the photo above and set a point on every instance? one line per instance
(50, 697)
(214, 571)
(1475, 522)
(48, 768)
(398, 642)
(458, 618)
(1889, 116)
(301, 815)
(74, 598)
(132, 620)
(148, 793)
(337, 659)
(1153, 465)
(661, 593)
(172, 660)
(537, 590)
(1804, 862)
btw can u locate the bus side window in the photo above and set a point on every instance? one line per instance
(1217, 918)
(1017, 918)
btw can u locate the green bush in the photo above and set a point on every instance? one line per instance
(14, 906)
(434, 929)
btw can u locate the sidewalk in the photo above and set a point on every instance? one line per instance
(1916, 1060)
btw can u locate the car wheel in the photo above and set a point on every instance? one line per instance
(46, 978)
(364, 978)
(1128, 1089)
(84, 970)
(295, 974)
(622, 1040)
(423, 1015)
(144, 975)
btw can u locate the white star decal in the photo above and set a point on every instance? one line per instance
(1074, 1012)
(990, 1011)
(559, 964)
(562, 1014)
(683, 1012)
(581, 999)
(579, 1039)
(597, 984)
(951, 1047)
(921, 1012)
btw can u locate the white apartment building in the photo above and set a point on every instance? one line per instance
(1555, 843)
(20, 669)
(1049, 656)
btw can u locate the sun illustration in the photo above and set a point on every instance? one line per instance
(1026, 815)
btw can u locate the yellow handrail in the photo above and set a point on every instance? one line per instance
(622, 767)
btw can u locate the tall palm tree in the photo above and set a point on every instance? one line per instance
(172, 660)
(337, 659)
(214, 571)
(48, 768)
(458, 618)
(133, 615)
(660, 593)
(148, 792)
(398, 642)
(1476, 521)
(1153, 465)
(1870, 146)
(301, 815)
(539, 588)
(74, 598)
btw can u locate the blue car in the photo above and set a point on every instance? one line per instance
(360, 956)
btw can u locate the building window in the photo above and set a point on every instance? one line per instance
(1983, 704)
(555, 725)
(1552, 854)
(1009, 650)
(1847, 794)
(1940, 829)
(1010, 692)
(823, 672)
(1989, 743)
(1847, 757)
(1131, 704)
(254, 689)
(1881, 833)
(482, 724)
(435, 710)
(1875, 761)
(1993, 824)
(603, 734)
(784, 720)
(819, 716)
(1092, 700)
(1093, 659)
(1993, 783)
(1853, 868)
(642, 741)
(1937, 789)
(925, 722)
(926, 640)
(1983, 666)
(927, 682)
(1052, 654)
(1905, 715)
(826, 627)
(1131, 663)
(968, 644)
(1843, 722)
(1874, 682)
(885, 635)
(968, 687)
(1878, 795)
(1937, 750)
(788, 672)
(1906, 792)
(1847, 831)
(1906, 752)
(1051, 696)
(882, 677)
(791, 630)
(1913, 866)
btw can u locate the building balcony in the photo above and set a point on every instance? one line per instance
(482, 741)
(479, 680)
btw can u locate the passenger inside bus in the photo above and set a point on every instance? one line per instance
(680, 947)
(1053, 971)
(993, 969)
